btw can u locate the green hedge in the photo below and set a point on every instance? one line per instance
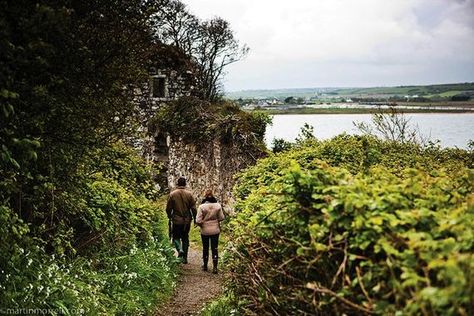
(355, 225)
(107, 252)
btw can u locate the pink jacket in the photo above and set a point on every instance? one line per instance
(208, 217)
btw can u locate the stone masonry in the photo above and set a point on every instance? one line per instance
(212, 165)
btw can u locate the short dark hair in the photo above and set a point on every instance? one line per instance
(182, 181)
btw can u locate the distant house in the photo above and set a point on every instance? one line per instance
(263, 103)
(408, 97)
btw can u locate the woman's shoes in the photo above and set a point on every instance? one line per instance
(214, 265)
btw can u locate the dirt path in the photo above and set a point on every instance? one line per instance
(195, 288)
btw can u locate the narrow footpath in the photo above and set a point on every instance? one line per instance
(195, 288)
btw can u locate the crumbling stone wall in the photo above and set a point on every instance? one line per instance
(178, 83)
(211, 165)
(206, 165)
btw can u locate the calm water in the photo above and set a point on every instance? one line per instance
(451, 129)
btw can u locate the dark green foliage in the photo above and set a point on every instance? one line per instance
(355, 225)
(74, 199)
(197, 121)
(64, 69)
(280, 145)
(112, 230)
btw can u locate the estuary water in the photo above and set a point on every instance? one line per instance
(451, 129)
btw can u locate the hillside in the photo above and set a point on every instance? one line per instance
(440, 90)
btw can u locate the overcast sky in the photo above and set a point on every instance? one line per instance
(336, 43)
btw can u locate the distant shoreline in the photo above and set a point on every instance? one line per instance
(355, 111)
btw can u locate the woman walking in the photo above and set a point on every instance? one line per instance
(208, 217)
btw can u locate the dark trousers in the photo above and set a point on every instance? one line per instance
(205, 248)
(181, 238)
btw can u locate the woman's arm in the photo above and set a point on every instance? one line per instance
(199, 216)
(220, 214)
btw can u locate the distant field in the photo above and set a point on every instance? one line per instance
(446, 90)
(441, 90)
(357, 111)
(276, 93)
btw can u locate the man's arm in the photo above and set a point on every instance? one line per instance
(169, 207)
(193, 208)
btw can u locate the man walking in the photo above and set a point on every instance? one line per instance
(181, 209)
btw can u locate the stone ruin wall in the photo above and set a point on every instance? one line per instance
(212, 165)
(178, 84)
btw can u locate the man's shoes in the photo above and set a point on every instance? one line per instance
(214, 270)
(204, 267)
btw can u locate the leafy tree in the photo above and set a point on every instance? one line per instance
(175, 25)
(217, 49)
(77, 215)
(65, 68)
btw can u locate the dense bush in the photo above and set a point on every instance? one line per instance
(355, 225)
(107, 257)
(109, 283)
(198, 121)
(74, 200)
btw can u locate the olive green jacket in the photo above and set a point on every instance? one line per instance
(181, 206)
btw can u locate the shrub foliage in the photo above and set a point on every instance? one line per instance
(355, 225)
(197, 121)
(78, 224)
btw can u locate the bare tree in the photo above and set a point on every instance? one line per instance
(392, 125)
(216, 49)
(210, 44)
(174, 25)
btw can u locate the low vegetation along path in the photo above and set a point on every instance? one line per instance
(195, 288)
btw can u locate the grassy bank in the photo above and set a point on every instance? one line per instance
(360, 111)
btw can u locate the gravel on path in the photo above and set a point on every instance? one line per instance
(195, 288)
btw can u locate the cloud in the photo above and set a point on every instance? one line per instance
(347, 42)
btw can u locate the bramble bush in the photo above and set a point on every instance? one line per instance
(355, 225)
